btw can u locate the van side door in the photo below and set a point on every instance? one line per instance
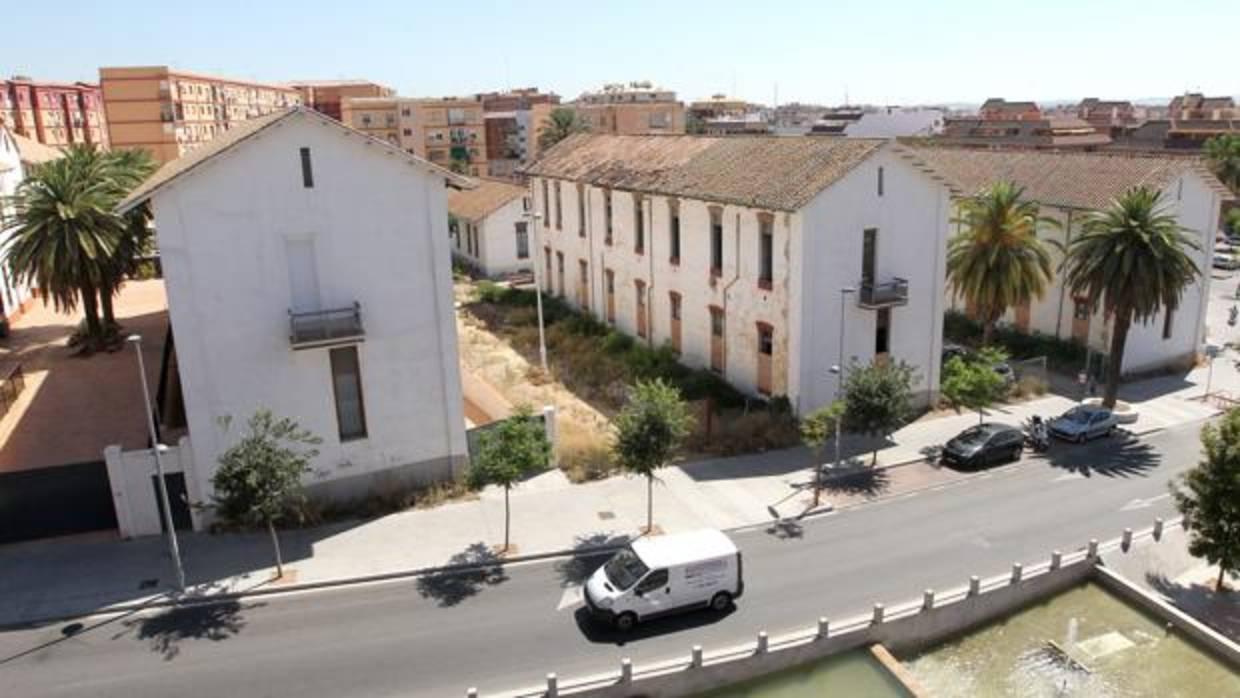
(653, 594)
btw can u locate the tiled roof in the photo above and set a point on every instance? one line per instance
(778, 173)
(33, 152)
(1088, 181)
(174, 169)
(489, 195)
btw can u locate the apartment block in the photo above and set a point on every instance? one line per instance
(636, 108)
(999, 109)
(735, 252)
(328, 96)
(170, 112)
(448, 131)
(54, 113)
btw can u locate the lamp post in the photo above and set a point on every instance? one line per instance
(173, 548)
(534, 217)
(838, 369)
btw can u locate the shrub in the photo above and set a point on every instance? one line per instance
(1061, 354)
(704, 384)
(617, 342)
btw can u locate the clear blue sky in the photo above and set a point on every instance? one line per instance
(897, 51)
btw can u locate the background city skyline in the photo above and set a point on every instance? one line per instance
(900, 53)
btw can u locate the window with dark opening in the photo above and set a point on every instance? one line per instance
(882, 331)
(716, 242)
(307, 172)
(347, 387)
(766, 251)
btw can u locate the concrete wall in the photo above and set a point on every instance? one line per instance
(133, 495)
(497, 241)
(378, 226)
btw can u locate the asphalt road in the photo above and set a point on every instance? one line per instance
(505, 628)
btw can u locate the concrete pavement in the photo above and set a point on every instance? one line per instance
(504, 627)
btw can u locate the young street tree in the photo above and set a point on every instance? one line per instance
(878, 399)
(649, 430)
(259, 478)
(817, 428)
(1209, 497)
(1133, 260)
(516, 448)
(973, 383)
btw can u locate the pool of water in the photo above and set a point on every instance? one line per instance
(849, 675)
(1084, 642)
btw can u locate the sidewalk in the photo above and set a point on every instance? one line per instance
(55, 579)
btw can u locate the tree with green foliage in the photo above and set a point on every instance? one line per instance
(561, 123)
(649, 430)
(514, 449)
(996, 261)
(128, 168)
(972, 383)
(817, 428)
(259, 478)
(1208, 496)
(694, 124)
(1233, 221)
(878, 398)
(1132, 259)
(1223, 154)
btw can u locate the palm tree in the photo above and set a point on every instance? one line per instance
(562, 123)
(1133, 259)
(996, 261)
(1223, 152)
(126, 169)
(66, 232)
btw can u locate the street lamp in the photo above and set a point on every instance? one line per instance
(534, 217)
(838, 369)
(173, 548)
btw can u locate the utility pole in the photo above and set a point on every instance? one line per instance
(534, 217)
(838, 369)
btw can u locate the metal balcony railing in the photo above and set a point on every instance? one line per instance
(883, 294)
(325, 327)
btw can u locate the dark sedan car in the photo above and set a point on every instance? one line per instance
(985, 444)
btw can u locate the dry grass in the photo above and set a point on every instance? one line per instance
(733, 433)
(1029, 387)
(583, 455)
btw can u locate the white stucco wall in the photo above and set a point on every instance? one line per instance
(497, 241)
(911, 218)
(13, 291)
(378, 225)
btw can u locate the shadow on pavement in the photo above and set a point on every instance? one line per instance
(1219, 610)
(786, 529)
(1121, 455)
(578, 568)
(482, 568)
(867, 482)
(166, 630)
(599, 632)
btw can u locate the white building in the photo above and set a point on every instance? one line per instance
(17, 155)
(489, 229)
(306, 270)
(896, 122)
(734, 251)
(1070, 185)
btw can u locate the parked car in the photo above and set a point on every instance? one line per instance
(656, 576)
(1083, 423)
(1226, 262)
(985, 444)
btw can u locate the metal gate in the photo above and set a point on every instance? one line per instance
(55, 501)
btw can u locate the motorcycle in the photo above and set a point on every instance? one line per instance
(1037, 436)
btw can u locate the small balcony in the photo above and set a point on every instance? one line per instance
(882, 294)
(323, 328)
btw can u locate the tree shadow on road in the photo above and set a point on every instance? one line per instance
(589, 553)
(165, 631)
(1124, 455)
(865, 481)
(1219, 610)
(467, 573)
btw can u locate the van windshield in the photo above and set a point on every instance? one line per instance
(625, 569)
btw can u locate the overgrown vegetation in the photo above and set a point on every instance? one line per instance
(1062, 355)
(972, 383)
(878, 399)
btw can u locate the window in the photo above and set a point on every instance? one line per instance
(347, 387)
(766, 348)
(716, 339)
(581, 210)
(307, 174)
(607, 216)
(523, 241)
(407, 131)
(547, 267)
(880, 181)
(609, 290)
(882, 331)
(1081, 310)
(653, 582)
(766, 244)
(869, 251)
(639, 227)
(716, 241)
(673, 299)
(559, 218)
(559, 269)
(1168, 323)
(546, 207)
(640, 286)
(766, 339)
(673, 223)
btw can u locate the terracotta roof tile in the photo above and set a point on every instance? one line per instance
(489, 195)
(772, 172)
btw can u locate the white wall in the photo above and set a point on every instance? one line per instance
(130, 476)
(497, 241)
(894, 122)
(379, 229)
(911, 218)
(13, 291)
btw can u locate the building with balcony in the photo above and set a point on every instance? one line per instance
(54, 113)
(736, 252)
(307, 272)
(489, 228)
(1068, 186)
(328, 96)
(449, 131)
(171, 112)
(633, 109)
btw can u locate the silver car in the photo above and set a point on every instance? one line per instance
(1083, 423)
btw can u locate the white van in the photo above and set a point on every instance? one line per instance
(658, 575)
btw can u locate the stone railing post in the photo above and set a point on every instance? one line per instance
(1093, 548)
(626, 670)
(1126, 539)
(553, 690)
(927, 599)
(878, 613)
(824, 628)
(975, 585)
(1158, 528)
(695, 660)
(1017, 570)
(762, 643)
(1056, 559)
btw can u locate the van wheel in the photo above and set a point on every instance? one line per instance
(721, 602)
(626, 622)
